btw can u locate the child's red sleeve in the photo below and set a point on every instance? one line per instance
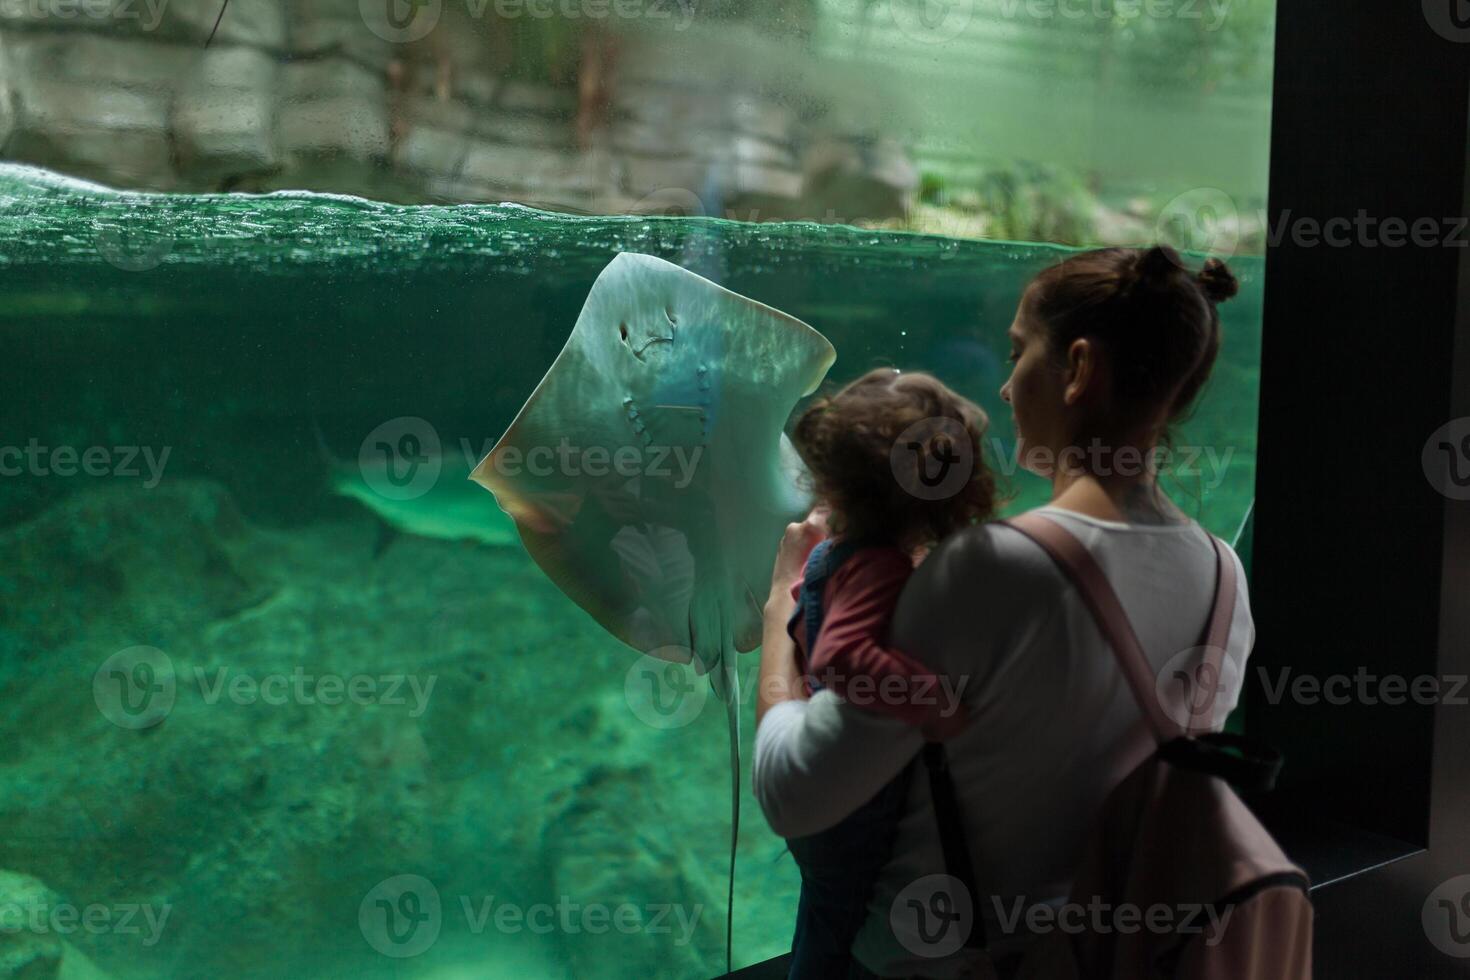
(852, 657)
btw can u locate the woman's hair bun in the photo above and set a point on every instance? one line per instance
(1216, 281)
(1158, 265)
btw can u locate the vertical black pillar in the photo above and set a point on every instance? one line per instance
(1360, 566)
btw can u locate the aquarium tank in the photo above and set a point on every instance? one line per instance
(281, 690)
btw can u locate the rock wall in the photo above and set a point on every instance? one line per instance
(308, 96)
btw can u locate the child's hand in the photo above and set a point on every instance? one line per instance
(796, 544)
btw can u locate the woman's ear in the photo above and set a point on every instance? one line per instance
(1080, 374)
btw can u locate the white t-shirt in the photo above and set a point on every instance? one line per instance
(1053, 726)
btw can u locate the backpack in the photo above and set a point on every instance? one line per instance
(1173, 834)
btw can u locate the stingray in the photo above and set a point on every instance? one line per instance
(650, 477)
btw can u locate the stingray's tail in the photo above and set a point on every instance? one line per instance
(727, 685)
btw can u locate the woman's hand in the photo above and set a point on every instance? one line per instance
(796, 544)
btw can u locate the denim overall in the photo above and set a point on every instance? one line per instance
(839, 865)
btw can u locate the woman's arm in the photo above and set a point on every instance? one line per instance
(779, 679)
(817, 761)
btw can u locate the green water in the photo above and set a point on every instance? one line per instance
(227, 332)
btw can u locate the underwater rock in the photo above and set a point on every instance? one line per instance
(223, 121)
(93, 128)
(611, 844)
(333, 112)
(100, 59)
(259, 23)
(858, 177)
(335, 27)
(121, 555)
(27, 953)
(32, 921)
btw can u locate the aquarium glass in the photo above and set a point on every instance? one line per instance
(272, 710)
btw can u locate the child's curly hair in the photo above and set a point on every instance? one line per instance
(850, 444)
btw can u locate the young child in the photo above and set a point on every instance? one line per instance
(895, 460)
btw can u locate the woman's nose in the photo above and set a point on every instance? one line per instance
(1005, 392)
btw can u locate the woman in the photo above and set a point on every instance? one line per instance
(1109, 348)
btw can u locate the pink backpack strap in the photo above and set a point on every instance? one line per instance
(1078, 564)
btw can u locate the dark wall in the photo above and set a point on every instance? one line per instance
(1360, 564)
